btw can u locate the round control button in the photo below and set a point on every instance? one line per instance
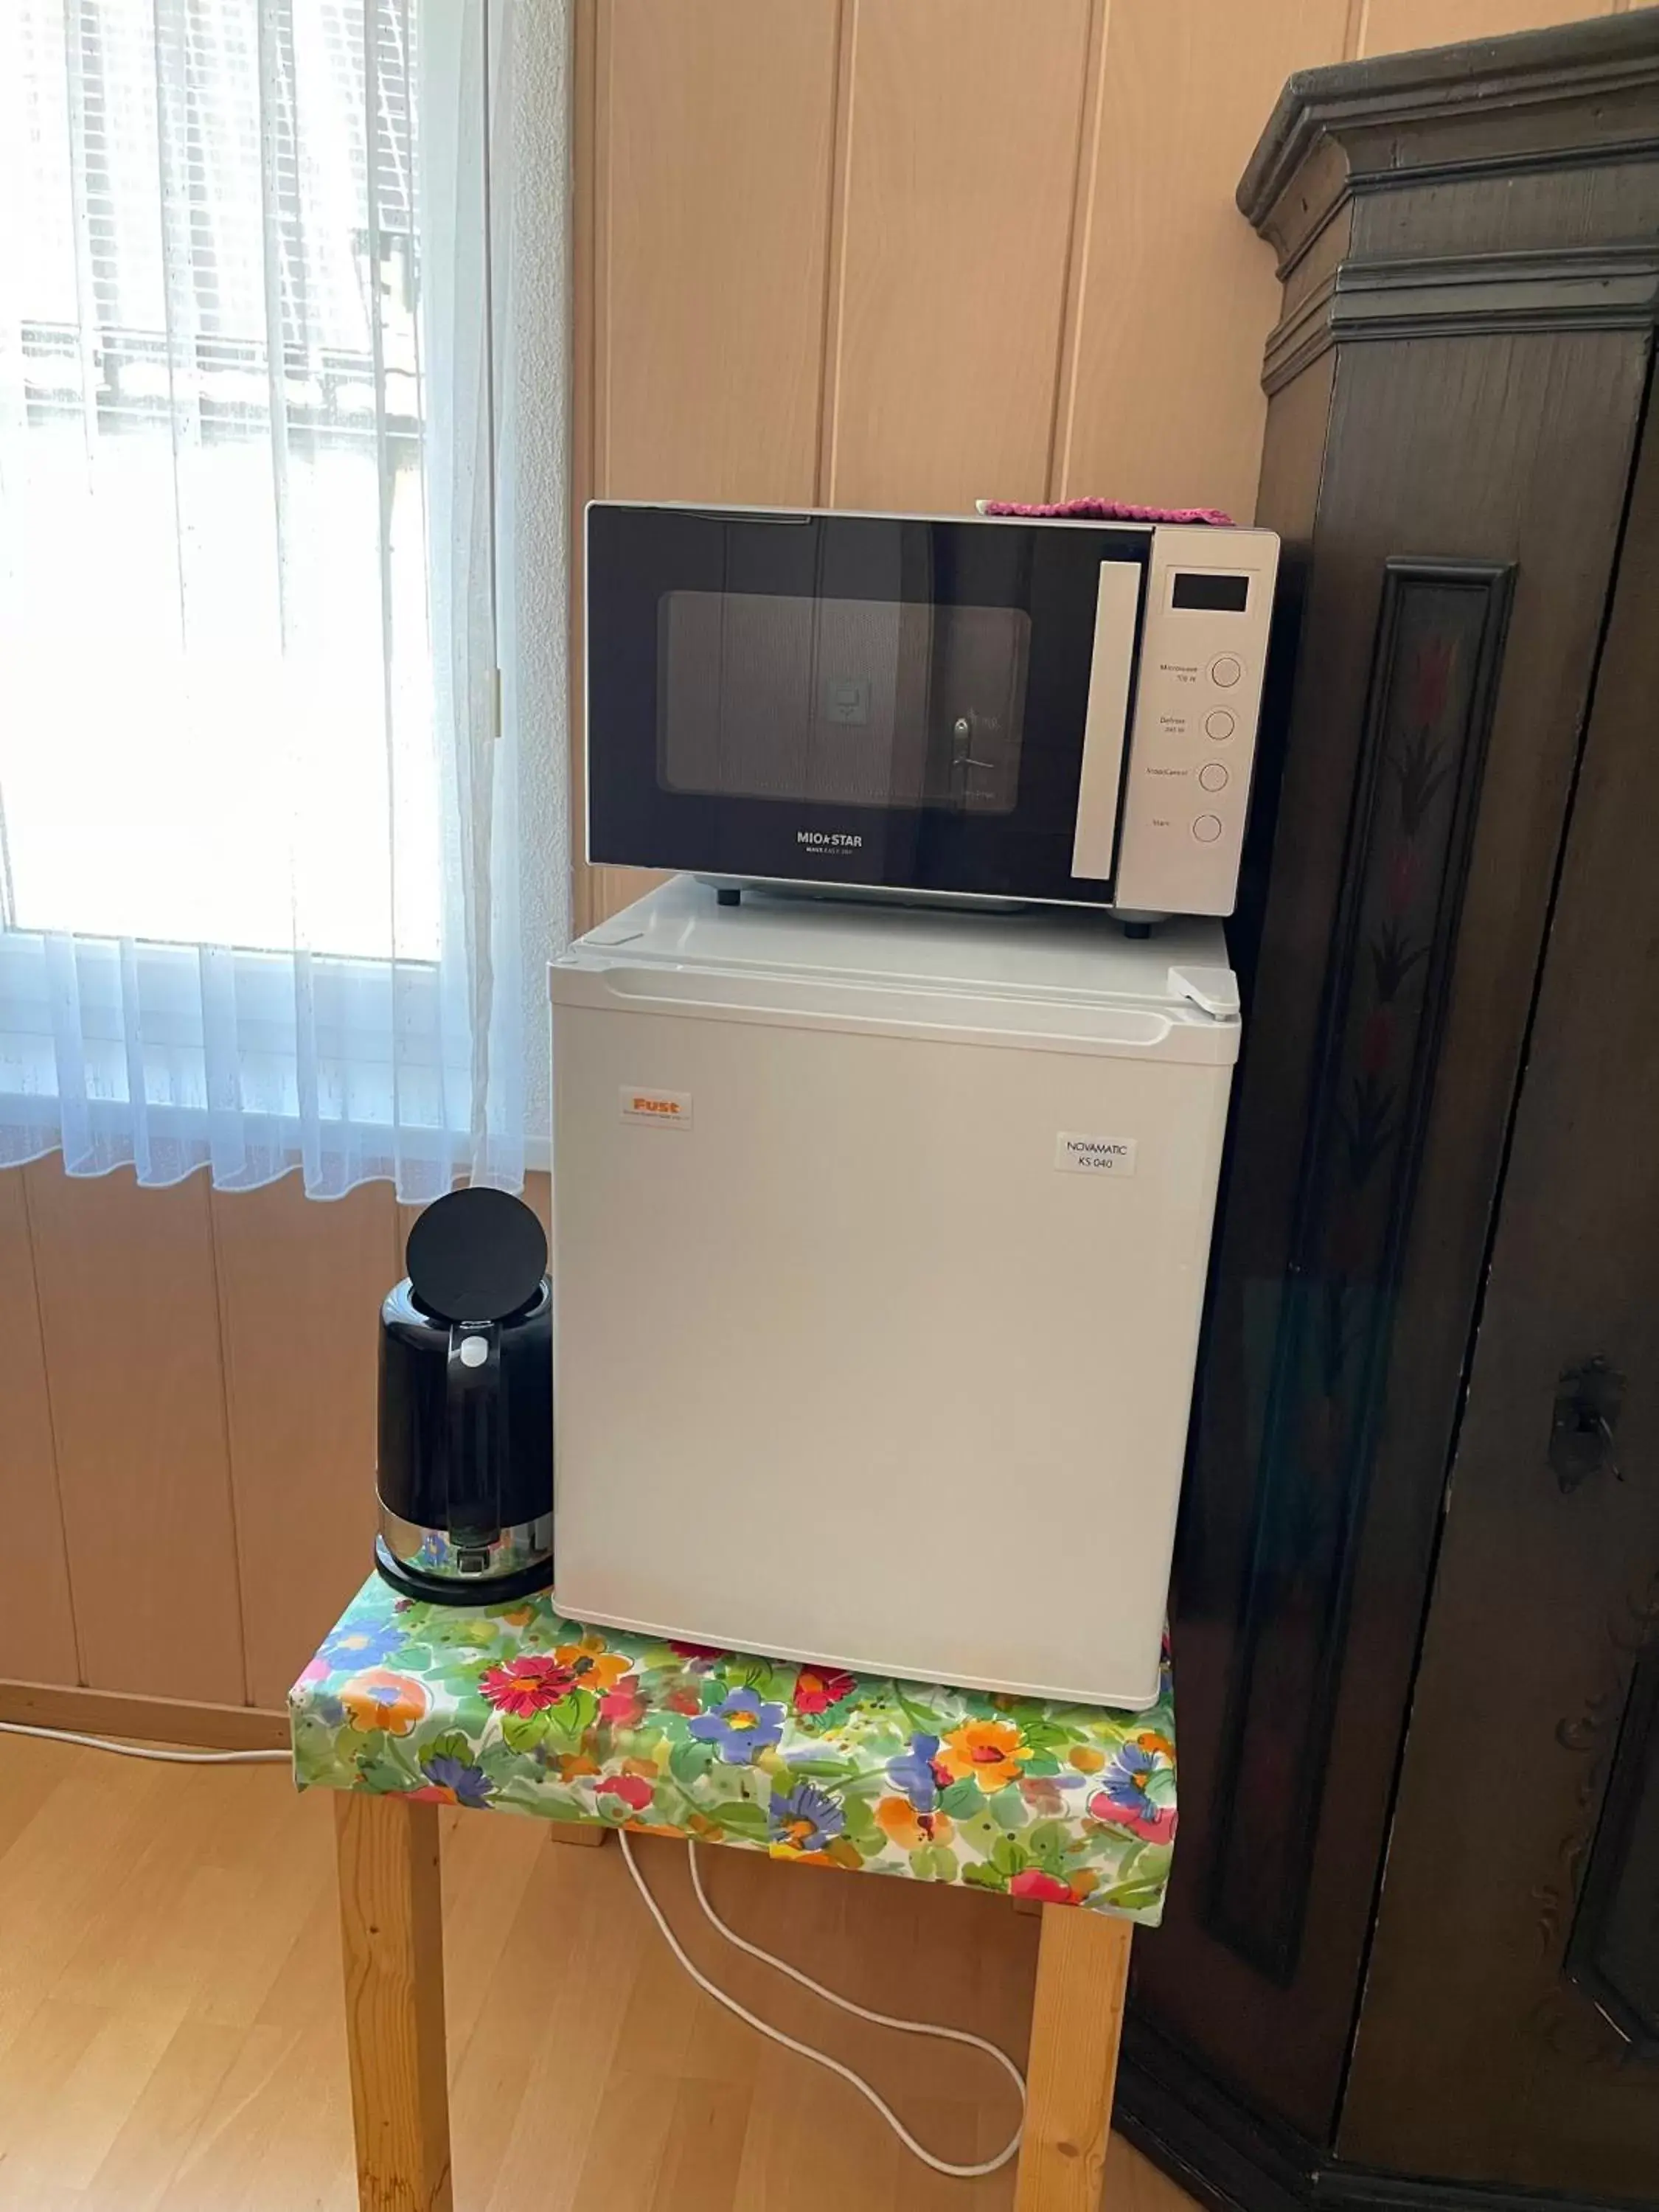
(1212, 776)
(1226, 671)
(1218, 725)
(1207, 829)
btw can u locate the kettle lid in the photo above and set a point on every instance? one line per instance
(475, 1255)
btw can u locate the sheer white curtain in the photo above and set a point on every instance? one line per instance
(259, 781)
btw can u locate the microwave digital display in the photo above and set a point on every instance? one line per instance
(1209, 592)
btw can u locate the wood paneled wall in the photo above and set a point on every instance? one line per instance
(186, 1428)
(860, 253)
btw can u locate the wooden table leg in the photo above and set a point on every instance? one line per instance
(1083, 1972)
(391, 1933)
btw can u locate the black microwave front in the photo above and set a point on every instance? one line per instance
(965, 707)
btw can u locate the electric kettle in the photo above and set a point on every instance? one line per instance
(464, 1471)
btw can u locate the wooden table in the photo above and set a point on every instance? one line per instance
(407, 1707)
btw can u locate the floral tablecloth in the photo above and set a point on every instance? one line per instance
(509, 1708)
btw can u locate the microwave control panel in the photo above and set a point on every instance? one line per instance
(1192, 743)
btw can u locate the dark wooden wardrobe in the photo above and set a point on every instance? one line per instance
(1411, 1955)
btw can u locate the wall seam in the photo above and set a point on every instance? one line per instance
(1078, 238)
(52, 1430)
(599, 179)
(222, 1337)
(835, 254)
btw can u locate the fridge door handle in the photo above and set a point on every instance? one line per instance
(1123, 1031)
(1106, 721)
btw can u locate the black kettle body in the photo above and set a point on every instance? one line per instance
(465, 1470)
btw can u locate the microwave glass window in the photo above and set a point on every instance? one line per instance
(851, 702)
(1210, 593)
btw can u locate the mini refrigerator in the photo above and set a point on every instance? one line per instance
(879, 1243)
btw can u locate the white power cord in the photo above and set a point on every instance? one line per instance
(738, 1942)
(860, 2012)
(142, 1750)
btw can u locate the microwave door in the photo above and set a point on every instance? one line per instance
(867, 686)
(845, 702)
(919, 704)
(900, 702)
(737, 717)
(822, 701)
(980, 662)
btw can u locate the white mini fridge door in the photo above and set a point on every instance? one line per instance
(875, 1327)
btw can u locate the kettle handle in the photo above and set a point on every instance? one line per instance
(473, 1428)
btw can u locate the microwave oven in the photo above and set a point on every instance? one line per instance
(969, 707)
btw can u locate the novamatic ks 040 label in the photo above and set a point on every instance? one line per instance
(1095, 1154)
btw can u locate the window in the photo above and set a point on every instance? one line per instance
(200, 633)
(259, 902)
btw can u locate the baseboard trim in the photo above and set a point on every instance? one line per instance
(145, 1720)
(1204, 2136)
(1361, 2189)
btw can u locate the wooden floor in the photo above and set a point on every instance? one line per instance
(170, 2016)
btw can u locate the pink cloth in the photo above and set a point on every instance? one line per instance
(1105, 510)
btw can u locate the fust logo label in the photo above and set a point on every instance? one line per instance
(668, 1109)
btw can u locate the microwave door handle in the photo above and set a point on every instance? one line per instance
(1106, 721)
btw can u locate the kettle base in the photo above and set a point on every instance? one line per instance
(448, 1590)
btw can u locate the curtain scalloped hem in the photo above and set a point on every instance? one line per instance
(15, 1152)
(366, 1157)
(169, 1059)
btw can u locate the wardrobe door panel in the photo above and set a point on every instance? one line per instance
(1517, 1948)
